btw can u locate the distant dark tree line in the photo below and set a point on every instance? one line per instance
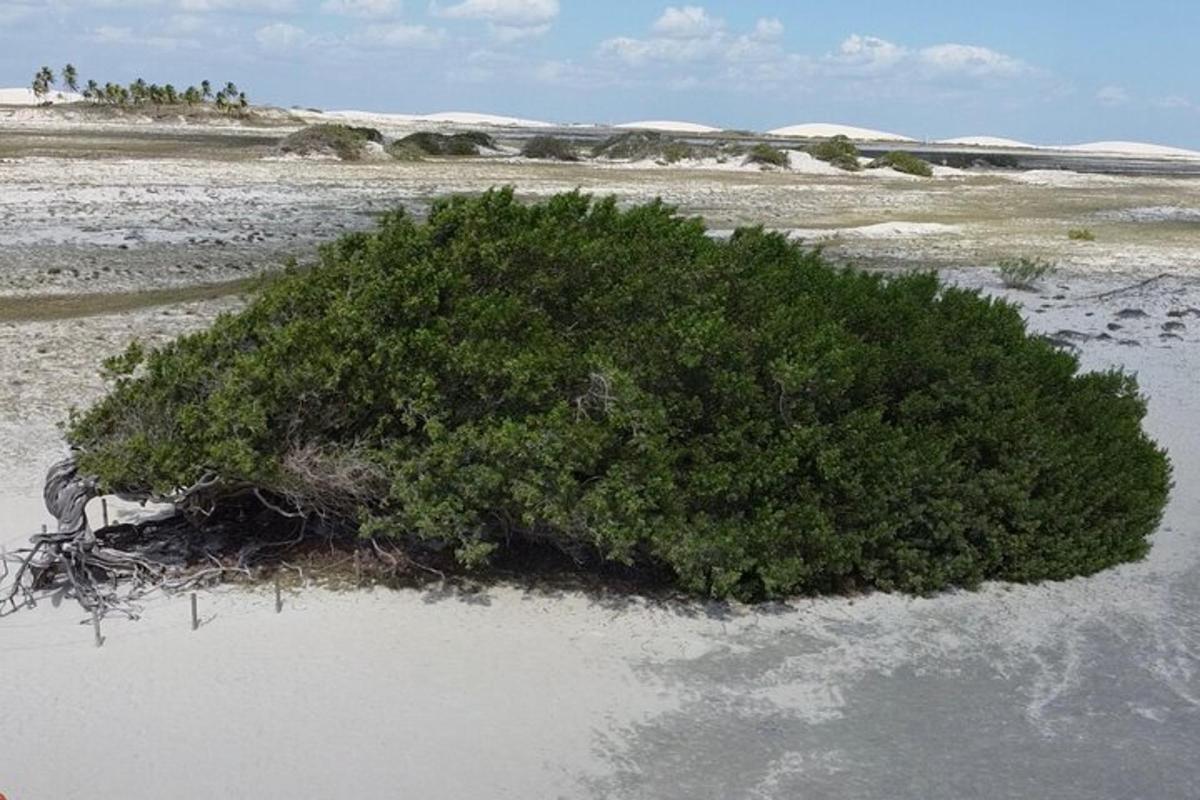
(138, 92)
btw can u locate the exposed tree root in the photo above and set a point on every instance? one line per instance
(110, 570)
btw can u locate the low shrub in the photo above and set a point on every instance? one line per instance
(903, 162)
(1081, 235)
(618, 386)
(838, 151)
(348, 144)
(550, 148)
(1024, 273)
(643, 146)
(370, 134)
(468, 143)
(767, 155)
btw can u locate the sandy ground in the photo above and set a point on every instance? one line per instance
(1083, 689)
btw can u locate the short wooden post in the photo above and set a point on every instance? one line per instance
(96, 627)
(278, 597)
(195, 616)
(104, 510)
(43, 529)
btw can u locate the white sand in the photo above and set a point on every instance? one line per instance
(988, 141)
(1142, 149)
(26, 97)
(669, 126)
(880, 230)
(826, 130)
(446, 117)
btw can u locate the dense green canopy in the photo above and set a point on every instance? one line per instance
(621, 386)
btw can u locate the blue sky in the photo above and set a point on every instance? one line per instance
(1049, 72)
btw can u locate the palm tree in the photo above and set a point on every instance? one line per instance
(92, 92)
(242, 101)
(138, 90)
(205, 90)
(170, 95)
(70, 77)
(43, 81)
(191, 96)
(220, 101)
(231, 90)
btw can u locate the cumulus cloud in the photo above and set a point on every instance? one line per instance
(407, 36)
(282, 36)
(201, 6)
(967, 59)
(362, 8)
(515, 13)
(688, 22)
(508, 20)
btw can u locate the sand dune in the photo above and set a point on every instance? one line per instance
(988, 141)
(26, 97)
(822, 130)
(670, 126)
(1133, 149)
(445, 117)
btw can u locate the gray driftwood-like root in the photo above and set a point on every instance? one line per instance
(105, 571)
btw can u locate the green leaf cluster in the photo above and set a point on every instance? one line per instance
(622, 387)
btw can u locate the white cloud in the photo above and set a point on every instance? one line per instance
(282, 36)
(276, 6)
(768, 29)
(116, 35)
(971, 60)
(513, 13)
(689, 22)
(362, 8)
(400, 36)
(1112, 96)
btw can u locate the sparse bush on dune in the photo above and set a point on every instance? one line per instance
(468, 143)
(767, 155)
(551, 148)
(1024, 272)
(1081, 235)
(903, 162)
(838, 151)
(643, 146)
(618, 386)
(345, 142)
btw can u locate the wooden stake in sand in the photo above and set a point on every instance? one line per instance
(278, 597)
(96, 627)
(104, 510)
(195, 616)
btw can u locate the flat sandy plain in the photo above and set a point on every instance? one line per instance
(1084, 689)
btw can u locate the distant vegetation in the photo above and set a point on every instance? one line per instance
(643, 146)
(903, 162)
(551, 148)
(346, 142)
(617, 389)
(1081, 235)
(838, 151)
(468, 143)
(1025, 273)
(767, 155)
(138, 93)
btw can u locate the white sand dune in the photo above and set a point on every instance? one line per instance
(444, 117)
(26, 97)
(988, 141)
(822, 130)
(669, 126)
(1133, 149)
